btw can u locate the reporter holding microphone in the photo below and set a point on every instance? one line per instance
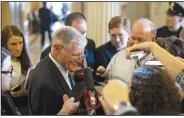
(173, 65)
(116, 104)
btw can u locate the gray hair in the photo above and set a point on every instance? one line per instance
(66, 34)
(148, 24)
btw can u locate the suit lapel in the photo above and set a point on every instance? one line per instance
(58, 76)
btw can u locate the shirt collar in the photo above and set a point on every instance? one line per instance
(59, 66)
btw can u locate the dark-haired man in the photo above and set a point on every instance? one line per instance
(78, 21)
(174, 17)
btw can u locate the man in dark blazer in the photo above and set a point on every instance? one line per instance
(78, 21)
(103, 54)
(50, 79)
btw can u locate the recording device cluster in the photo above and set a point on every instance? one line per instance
(141, 54)
(87, 90)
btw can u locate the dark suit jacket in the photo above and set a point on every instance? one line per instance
(46, 87)
(103, 55)
(89, 50)
(165, 32)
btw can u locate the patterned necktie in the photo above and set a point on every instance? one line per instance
(71, 80)
(138, 63)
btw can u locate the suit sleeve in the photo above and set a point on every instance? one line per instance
(48, 102)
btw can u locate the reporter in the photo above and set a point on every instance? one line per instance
(114, 103)
(173, 45)
(14, 41)
(169, 61)
(152, 93)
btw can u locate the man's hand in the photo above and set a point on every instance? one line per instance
(76, 67)
(101, 71)
(110, 98)
(78, 74)
(105, 106)
(69, 106)
(147, 46)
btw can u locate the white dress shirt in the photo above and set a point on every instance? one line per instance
(122, 68)
(63, 71)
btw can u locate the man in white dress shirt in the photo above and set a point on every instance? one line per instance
(121, 68)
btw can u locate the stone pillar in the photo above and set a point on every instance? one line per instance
(157, 13)
(6, 18)
(98, 15)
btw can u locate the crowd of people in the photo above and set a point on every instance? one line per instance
(129, 85)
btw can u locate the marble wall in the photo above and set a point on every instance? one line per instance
(5, 14)
(98, 15)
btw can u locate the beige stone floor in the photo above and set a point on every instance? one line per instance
(33, 43)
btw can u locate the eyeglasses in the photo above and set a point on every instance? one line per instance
(82, 56)
(9, 72)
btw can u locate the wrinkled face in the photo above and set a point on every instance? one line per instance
(80, 25)
(119, 37)
(15, 46)
(172, 20)
(138, 36)
(71, 56)
(77, 58)
(6, 73)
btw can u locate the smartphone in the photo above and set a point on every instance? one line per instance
(137, 54)
(153, 63)
(77, 91)
(16, 88)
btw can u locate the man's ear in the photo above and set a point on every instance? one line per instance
(57, 47)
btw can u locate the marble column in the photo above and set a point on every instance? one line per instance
(5, 17)
(98, 15)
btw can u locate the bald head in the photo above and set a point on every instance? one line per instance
(145, 25)
(143, 30)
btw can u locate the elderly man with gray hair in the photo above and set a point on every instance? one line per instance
(50, 80)
(119, 67)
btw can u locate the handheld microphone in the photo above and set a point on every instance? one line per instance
(90, 95)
